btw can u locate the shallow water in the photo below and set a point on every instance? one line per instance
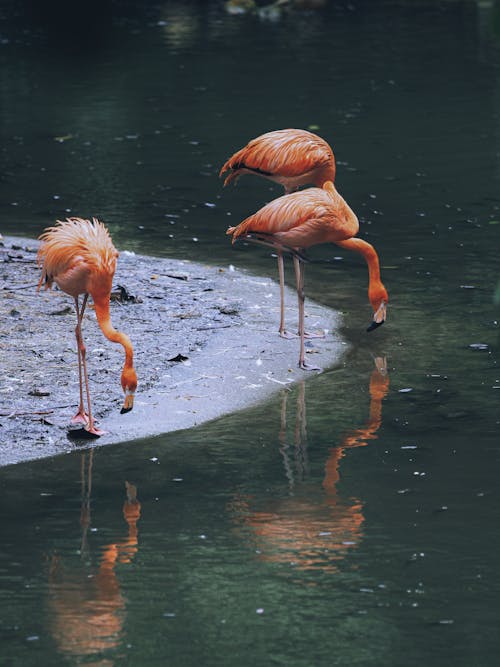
(351, 521)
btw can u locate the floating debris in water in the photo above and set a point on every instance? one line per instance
(405, 390)
(479, 346)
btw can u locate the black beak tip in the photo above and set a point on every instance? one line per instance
(124, 410)
(374, 325)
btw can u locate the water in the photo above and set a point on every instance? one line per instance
(351, 521)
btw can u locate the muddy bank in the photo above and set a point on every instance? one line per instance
(205, 340)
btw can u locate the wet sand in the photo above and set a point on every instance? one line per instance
(205, 338)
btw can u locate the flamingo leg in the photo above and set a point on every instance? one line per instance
(90, 426)
(81, 416)
(281, 272)
(299, 279)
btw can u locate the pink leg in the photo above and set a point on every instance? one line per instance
(281, 271)
(299, 277)
(81, 416)
(90, 426)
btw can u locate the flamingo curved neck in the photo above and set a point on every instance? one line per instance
(368, 252)
(112, 334)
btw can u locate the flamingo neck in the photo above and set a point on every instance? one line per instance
(368, 252)
(375, 287)
(104, 320)
(325, 174)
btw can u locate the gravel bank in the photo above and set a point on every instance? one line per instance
(205, 339)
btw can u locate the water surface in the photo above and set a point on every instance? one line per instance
(351, 521)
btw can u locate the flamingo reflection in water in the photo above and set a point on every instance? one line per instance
(312, 527)
(86, 606)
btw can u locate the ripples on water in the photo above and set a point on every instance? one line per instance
(352, 520)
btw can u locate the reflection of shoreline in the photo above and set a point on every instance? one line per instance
(313, 527)
(86, 607)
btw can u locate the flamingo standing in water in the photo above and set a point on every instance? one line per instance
(79, 256)
(303, 219)
(292, 158)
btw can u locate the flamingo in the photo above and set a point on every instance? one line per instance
(79, 256)
(303, 219)
(291, 158)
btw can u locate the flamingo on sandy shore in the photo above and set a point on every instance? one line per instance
(303, 219)
(292, 158)
(79, 256)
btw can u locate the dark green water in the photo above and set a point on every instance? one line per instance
(344, 523)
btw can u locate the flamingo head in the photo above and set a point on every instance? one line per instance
(379, 299)
(129, 385)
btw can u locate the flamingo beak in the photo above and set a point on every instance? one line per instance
(128, 403)
(378, 317)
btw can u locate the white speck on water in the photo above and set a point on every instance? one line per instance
(177, 479)
(154, 459)
(479, 346)
(32, 638)
(260, 610)
(405, 390)
(203, 537)
(409, 447)
(169, 614)
(195, 239)
(446, 621)
(259, 362)
(209, 204)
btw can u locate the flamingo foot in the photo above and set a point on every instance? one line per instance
(93, 431)
(307, 334)
(286, 334)
(81, 417)
(86, 432)
(308, 367)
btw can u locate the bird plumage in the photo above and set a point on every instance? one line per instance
(290, 157)
(79, 256)
(302, 219)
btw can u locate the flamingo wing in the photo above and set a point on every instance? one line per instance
(73, 250)
(287, 153)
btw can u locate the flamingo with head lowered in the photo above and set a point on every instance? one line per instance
(79, 256)
(292, 158)
(306, 218)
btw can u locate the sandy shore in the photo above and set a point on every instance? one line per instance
(205, 339)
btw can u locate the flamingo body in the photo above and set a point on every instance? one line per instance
(291, 157)
(302, 219)
(79, 256)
